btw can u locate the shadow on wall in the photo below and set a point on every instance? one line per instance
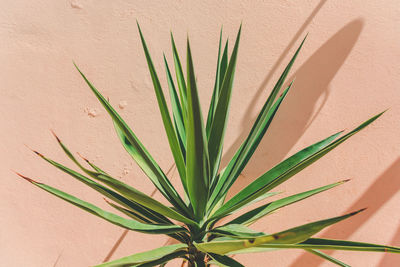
(300, 107)
(392, 259)
(384, 188)
(246, 124)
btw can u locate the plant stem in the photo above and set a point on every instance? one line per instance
(197, 263)
(197, 260)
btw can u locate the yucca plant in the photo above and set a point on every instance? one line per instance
(194, 219)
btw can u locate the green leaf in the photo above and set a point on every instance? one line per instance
(133, 152)
(169, 129)
(175, 199)
(176, 110)
(328, 258)
(146, 257)
(125, 190)
(257, 213)
(139, 197)
(287, 168)
(348, 245)
(180, 78)
(236, 230)
(112, 218)
(215, 94)
(134, 210)
(326, 244)
(241, 232)
(129, 213)
(232, 232)
(224, 261)
(291, 236)
(223, 65)
(131, 205)
(219, 76)
(280, 82)
(164, 260)
(197, 161)
(139, 153)
(148, 213)
(220, 118)
(260, 198)
(94, 167)
(241, 158)
(138, 217)
(246, 150)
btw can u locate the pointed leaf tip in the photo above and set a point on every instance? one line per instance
(26, 178)
(383, 112)
(34, 151)
(54, 134)
(138, 25)
(357, 211)
(82, 157)
(106, 200)
(38, 153)
(287, 89)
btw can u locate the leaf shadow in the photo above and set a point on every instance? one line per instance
(391, 259)
(381, 191)
(324, 63)
(300, 107)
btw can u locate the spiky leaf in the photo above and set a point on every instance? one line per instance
(197, 161)
(140, 259)
(108, 216)
(169, 129)
(291, 236)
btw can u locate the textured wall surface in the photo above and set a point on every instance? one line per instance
(347, 72)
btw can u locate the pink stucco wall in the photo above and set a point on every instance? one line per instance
(347, 72)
